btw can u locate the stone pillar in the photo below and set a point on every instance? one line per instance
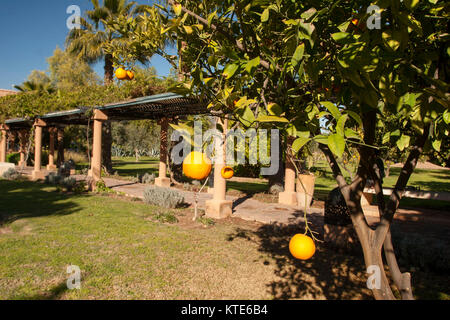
(219, 207)
(37, 172)
(289, 196)
(51, 153)
(10, 142)
(3, 131)
(96, 165)
(23, 145)
(162, 180)
(60, 139)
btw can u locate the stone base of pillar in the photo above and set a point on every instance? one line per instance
(366, 199)
(210, 190)
(38, 175)
(51, 167)
(72, 172)
(288, 197)
(21, 163)
(219, 209)
(303, 200)
(162, 182)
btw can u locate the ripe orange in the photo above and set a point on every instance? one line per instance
(197, 165)
(121, 73)
(227, 172)
(130, 75)
(302, 247)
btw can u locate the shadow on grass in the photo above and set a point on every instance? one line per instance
(53, 294)
(24, 199)
(328, 274)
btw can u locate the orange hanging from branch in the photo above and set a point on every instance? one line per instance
(227, 172)
(302, 247)
(197, 165)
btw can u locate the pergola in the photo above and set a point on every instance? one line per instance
(162, 107)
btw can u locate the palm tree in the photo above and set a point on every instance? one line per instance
(89, 42)
(31, 86)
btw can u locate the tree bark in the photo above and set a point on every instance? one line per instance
(107, 132)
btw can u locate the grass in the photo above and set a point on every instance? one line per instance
(124, 252)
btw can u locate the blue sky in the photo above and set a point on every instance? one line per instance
(30, 30)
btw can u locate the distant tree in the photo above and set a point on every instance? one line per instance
(89, 42)
(68, 72)
(38, 81)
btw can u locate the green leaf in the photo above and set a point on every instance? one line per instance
(230, 70)
(403, 142)
(386, 138)
(321, 139)
(266, 118)
(446, 117)
(188, 29)
(340, 36)
(340, 127)
(355, 116)
(177, 9)
(274, 109)
(252, 64)
(247, 117)
(265, 15)
(332, 108)
(298, 55)
(411, 4)
(437, 145)
(299, 143)
(336, 143)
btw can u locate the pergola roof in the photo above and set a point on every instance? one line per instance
(150, 107)
(154, 107)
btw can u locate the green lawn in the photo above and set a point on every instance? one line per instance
(125, 253)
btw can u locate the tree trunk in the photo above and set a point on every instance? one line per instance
(278, 178)
(107, 134)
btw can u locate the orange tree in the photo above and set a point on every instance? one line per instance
(314, 70)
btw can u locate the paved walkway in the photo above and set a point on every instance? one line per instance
(244, 208)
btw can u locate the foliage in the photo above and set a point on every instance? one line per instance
(13, 157)
(68, 72)
(53, 178)
(148, 178)
(276, 189)
(163, 197)
(11, 174)
(166, 217)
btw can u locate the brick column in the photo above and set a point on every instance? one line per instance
(96, 161)
(60, 139)
(162, 180)
(23, 144)
(37, 172)
(3, 131)
(219, 207)
(51, 153)
(289, 196)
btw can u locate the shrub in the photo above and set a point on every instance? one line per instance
(53, 178)
(80, 187)
(13, 158)
(247, 170)
(68, 183)
(276, 189)
(11, 174)
(166, 217)
(148, 178)
(163, 197)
